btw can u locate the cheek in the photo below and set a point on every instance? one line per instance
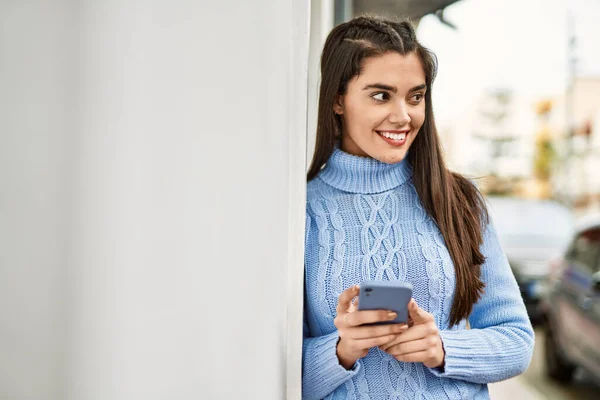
(363, 116)
(418, 118)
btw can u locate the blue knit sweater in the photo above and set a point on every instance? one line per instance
(364, 221)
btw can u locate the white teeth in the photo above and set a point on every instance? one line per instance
(395, 136)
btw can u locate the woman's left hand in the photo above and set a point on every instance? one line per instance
(421, 342)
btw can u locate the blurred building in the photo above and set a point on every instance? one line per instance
(498, 135)
(503, 127)
(524, 147)
(575, 124)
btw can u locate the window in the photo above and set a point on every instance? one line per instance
(586, 249)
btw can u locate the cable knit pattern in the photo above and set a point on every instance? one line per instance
(364, 221)
(425, 229)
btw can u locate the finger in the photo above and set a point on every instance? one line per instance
(417, 314)
(365, 332)
(345, 299)
(409, 347)
(371, 316)
(346, 315)
(420, 356)
(364, 344)
(392, 343)
(415, 332)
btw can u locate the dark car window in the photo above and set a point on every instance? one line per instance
(586, 249)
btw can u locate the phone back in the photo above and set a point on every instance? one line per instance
(386, 295)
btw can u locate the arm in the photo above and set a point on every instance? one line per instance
(499, 344)
(322, 372)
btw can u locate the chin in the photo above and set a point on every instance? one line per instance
(393, 157)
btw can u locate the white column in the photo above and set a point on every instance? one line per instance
(180, 130)
(36, 69)
(191, 146)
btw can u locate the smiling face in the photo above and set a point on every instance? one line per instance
(383, 107)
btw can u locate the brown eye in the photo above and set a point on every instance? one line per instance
(380, 96)
(417, 97)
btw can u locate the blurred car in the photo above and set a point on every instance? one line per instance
(571, 307)
(531, 233)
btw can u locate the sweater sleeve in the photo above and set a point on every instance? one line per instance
(322, 372)
(499, 344)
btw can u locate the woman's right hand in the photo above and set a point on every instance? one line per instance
(355, 339)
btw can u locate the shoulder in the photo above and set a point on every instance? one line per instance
(317, 191)
(312, 188)
(323, 200)
(315, 194)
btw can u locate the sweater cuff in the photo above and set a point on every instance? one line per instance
(458, 359)
(329, 372)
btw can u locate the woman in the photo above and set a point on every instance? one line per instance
(381, 205)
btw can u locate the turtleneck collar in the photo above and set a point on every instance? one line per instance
(356, 174)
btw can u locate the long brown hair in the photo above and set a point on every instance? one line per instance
(450, 199)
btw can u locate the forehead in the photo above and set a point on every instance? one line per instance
(402, 71)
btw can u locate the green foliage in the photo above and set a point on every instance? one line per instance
(545, 156)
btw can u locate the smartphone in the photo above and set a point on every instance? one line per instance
(386, 295)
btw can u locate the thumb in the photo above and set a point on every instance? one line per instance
(354, 305)
(345, 299)
(417, 314)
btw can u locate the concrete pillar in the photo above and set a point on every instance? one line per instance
(156, 198)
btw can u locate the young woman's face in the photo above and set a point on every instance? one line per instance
(384, 107)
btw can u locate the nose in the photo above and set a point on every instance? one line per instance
(399, 114)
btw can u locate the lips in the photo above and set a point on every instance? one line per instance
(395, 138)
(393, 135)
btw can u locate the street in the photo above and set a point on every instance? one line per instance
(534, 385)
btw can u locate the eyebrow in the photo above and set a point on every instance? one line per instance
(392, 88)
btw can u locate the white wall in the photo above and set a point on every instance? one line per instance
(153, 159)
(36, 65)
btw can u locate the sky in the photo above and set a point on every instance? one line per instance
(515, 44)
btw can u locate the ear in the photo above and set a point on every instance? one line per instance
(337, 106)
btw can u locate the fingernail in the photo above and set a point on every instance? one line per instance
(392, 315)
